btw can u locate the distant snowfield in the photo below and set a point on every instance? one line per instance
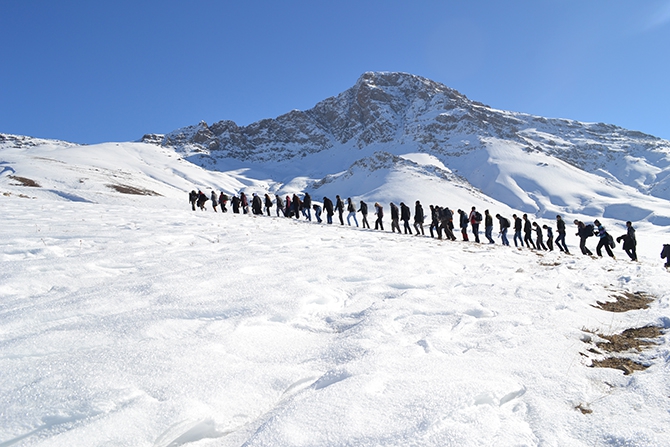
(147, 324)
(130, 320)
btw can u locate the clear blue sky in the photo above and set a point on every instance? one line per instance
(94, 71)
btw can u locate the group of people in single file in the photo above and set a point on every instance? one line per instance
(443, 221)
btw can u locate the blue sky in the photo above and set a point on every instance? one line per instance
(89, 71)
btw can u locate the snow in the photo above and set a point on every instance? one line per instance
(131, 320)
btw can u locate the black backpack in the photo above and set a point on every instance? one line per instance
(505, 222)
(588, 230)
(478, 216)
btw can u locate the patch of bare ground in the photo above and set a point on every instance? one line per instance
(630, 341)
(125, 189)
(625, 301)
(24, 181)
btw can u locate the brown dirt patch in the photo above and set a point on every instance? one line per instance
(125, 189)
(625, 301)
(631, 341)
(24, 181)
(628, 366)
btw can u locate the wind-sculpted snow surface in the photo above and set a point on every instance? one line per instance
(142, 323)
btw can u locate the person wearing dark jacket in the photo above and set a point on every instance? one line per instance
(418, 218)
(364, 212)
(463, 220)
(307, 206)
(434, 222)
(236, 204)
(527, 232)
(550, 237)
(395, 217)
(604, 240)
(446, 223)
(317, 212)
(518, 225)
(405, 215)
(192, 198)
(296, 206)
(584, 232)
(539, 242)
(379, 211)
(280, 205)
(629, 241)
(339, 207)
(488, 226)
(504, 225)
(244, 202)
(328, 207)
(665, 253)
(223, 199)
(268, 203)
(475, 219)
(202, 198)
(256, 205)
(560, 229)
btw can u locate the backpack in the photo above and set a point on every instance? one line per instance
(505, 222)
(588, 230)
(610, 240)
(478, 216)
(666, 251)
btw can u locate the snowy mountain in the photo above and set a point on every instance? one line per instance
(126, 319)
(533, 164)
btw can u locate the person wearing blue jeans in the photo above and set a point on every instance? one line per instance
(518, 226)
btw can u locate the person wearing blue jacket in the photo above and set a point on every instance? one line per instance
(604, 239)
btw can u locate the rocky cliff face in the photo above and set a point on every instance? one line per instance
(399, 113)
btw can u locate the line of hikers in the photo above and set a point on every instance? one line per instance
(442, 221)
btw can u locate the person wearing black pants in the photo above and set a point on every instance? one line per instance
(528, 231)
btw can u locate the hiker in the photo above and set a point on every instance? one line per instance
(605, 240)
(364, 211)
(192, 198)
(518, 225)
(328, 207)
(539, 241)
(236, 204)
(665, 253)
(488, 226)
(244, 202)
(280, 205)
(629, 241)
(395, 217)
(475, 219)
(257, 204)
(288, 211)
(560, 229)
(379, 211)
(268, 203)
(463, 222)
(296, 205)
(504, 225)
(434, 222)
(405, 215)
(446, 223)
(339, 207)
(584, 232)
(527, 231)
(418, 218)
(223, 198)
(307, 207)
(202, 198)
(214, 200)
(317, 212)
(352, 212)
(550, 237)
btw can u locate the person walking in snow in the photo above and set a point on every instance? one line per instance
(202, 198)
(527, 232)
(192, 198)
(550, 237)
(223, 199)
(236, 204)
(395, 218)
(539, 242)
(475, 219)
(352, 212)
(560, 229)
(488, 226)
(504, 225)
(405, 216)
(244, 202)
(604, 239)
(214, 200)
(317, 212)
(328, 207)
(463, 220)
(307, 207)
(629, 241)
(665, 254)
(339, 207)
(288, 211)
(296, 204)
(518, 225)
(584, 232)
(268, 203)
(418, 218)
(280, 205)
(434, 222)
(364, 212)
(446, 223)
(257, 205)
(379, 211)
